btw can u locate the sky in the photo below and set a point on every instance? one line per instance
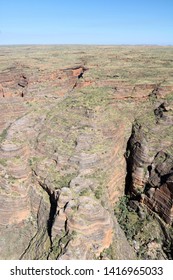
(86, 22)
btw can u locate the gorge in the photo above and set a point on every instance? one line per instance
(86, 154)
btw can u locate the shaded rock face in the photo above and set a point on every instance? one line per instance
(149, 167)
(137, 160)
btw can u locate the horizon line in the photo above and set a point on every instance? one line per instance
(81, 44)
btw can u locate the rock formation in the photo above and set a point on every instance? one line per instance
(66, 118)
(150, 163)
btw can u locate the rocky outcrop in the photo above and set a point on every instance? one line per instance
(92, 225)
(13, 82)
(77, 71)
(137, 160)
(150, 168)
(159, 191)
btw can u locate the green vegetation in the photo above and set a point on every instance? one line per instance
(60, 243)
(99, 192)
(3, 162)
(63, 181)
(126, 217)
(169, 97)
(140, 231)
(100, 179)
(33, 161)
(3, 135)
(91, 97)
(84, 192)
(109, 253)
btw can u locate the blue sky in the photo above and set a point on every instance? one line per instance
(86, 22)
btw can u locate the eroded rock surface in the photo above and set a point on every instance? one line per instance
(66, 118)
(150, 163)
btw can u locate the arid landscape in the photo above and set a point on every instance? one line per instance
(86, 152)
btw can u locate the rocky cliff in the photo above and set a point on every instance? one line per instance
(150, 162)
(150, 166)
(66, 154)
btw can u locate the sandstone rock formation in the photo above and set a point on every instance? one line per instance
(150, 163)
(66, 118)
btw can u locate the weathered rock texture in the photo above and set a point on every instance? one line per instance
(66, 116)
(150, 163)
